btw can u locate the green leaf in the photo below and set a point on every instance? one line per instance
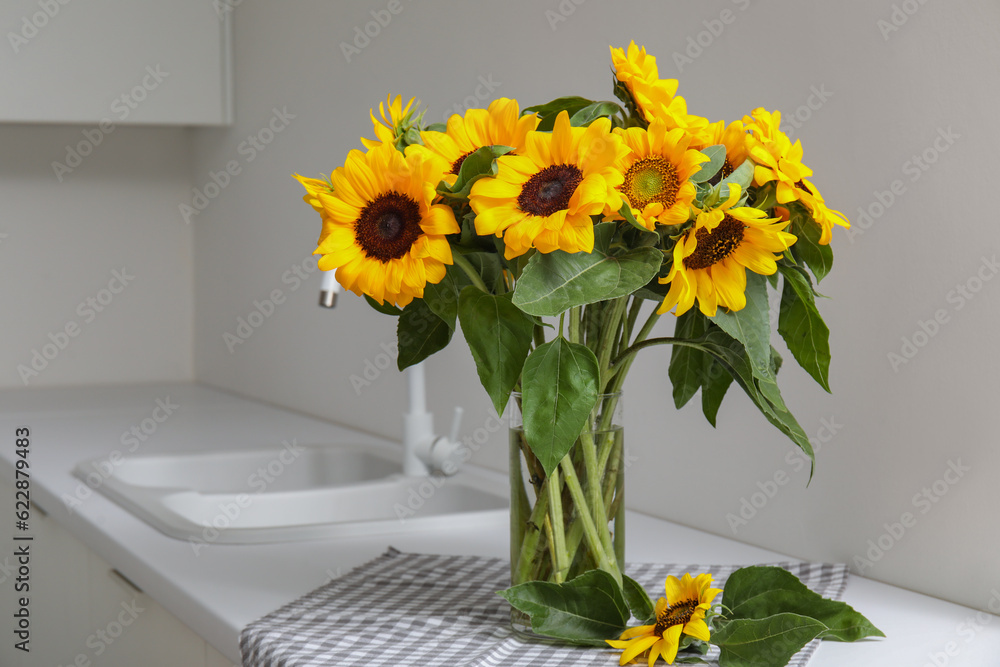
(759, 592)
(487, 265)
(687, 364)
(548, 112)
(385, 307)
(585, 610)
(421, 333)
(802, 327)
(592, 112)
(764, 642)
(742, 176)
(715, 384)
(762, 389)
(751, 325)
(776, 362)
(638, 601)
(499, 337)
(654, 290)
(412, 136)
(819, 258)
(442, 298)
(475, 166)
(604, 233)
(561, 391)
(626, 212)
(555, 282)
(716, 158)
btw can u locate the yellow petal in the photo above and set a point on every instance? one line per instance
(562, 140)
(697, 629)
(671, 641)
(440, 219)
(637, 646)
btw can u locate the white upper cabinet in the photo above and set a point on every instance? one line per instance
(162, 62)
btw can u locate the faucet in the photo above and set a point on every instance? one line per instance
(424, 453)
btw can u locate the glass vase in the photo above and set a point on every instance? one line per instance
(572, 521)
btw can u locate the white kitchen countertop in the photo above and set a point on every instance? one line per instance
(217, 589)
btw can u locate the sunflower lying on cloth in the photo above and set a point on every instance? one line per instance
(681, 611)
(553, 237)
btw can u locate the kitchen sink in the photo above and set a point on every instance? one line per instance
(291, 492)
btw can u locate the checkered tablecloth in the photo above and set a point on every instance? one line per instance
(428, 610)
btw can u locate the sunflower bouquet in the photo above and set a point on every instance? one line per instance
(545, 232)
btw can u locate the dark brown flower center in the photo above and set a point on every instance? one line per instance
(727, 169)
(550, 189)
(388, 226)
(651, 179)
(675, 614)
(714, 246)
(457, 164)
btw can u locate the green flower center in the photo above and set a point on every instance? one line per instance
(550, 189)
(651, 179)
(388, 226)
(714, 246)
(676, 614)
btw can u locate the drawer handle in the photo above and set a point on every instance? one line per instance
(125, 581)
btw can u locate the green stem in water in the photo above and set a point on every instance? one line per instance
(557, 526)
(595, 499)
(590, 529)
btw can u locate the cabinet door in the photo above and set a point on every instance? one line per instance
(116, 61)
(133, 629)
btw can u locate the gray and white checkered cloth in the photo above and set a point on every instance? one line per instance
(428, 610)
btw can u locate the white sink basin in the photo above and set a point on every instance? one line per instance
(292, 492)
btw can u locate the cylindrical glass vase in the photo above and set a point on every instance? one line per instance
(572, 520)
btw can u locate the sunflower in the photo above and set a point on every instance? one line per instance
(776, 158)
(655, 97)
(545, 197)
(780, 161)
(711, 259)
(386, 237)
(314, 187)
(824, 216)
(682, 611)
(500, 125)
(734, 138)
(395, 125)
(657, 173)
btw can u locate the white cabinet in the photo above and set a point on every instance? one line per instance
(81, 613)
(116, 61)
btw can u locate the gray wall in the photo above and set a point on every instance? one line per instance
(65, 317)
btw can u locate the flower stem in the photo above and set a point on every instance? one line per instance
(610, 326)
(464, 264)
(557, 527)
(590, 529)
(632, 349)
